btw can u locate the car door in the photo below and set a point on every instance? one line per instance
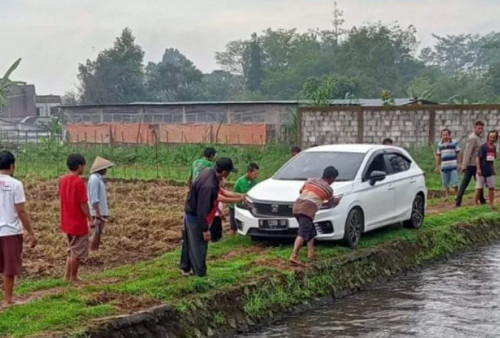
(378, 199)
(398, 167)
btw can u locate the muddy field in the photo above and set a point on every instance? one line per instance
(146, 222)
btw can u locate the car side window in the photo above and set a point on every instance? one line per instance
(377, 164)
(397, 163)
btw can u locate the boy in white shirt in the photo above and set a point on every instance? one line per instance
(13, 220)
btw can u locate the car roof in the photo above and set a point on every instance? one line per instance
(350, 148)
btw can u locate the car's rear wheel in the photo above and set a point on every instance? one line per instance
(417, 213)
(353, 227)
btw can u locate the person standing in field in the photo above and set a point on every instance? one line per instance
(313, 194)
(199, 165)
(201, 206)
(13, 220)
(243, 186)
(387, 142)
(98, 199)
(469, 163)
(216, 229)
(225, 197)
(75, 215)
(448, 162)
(294, 151)
(486, 176)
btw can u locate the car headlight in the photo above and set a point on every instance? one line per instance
(247, 204)
(328, 205)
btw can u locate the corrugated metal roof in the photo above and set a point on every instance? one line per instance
(342, 102)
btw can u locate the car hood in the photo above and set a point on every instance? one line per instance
(272, 190)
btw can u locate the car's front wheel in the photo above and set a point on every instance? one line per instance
(417, 213)
(353, 227)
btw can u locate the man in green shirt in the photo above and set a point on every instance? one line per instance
(199, 165)
(242, 186)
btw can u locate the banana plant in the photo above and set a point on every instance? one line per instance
(5, 82)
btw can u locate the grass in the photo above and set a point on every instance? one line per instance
(233, 261)
(53, 313)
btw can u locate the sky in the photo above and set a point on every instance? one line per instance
(54, 36)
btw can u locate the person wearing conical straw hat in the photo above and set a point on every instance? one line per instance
(98, 199)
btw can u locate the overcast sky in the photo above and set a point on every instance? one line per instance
(53, 36)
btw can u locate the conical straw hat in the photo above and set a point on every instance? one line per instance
(100, 164)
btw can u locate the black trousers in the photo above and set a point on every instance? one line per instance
(194, 248)
(470, 172)
(216, 229)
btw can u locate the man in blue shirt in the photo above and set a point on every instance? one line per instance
(98, 199)
(448, 162)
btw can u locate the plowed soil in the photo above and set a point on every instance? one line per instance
(146, 222)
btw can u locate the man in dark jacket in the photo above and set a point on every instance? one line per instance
(200, 210)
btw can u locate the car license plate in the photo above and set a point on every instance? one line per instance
(273, 224)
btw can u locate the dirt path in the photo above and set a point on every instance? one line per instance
(443, 206)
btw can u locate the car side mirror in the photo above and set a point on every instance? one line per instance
(376, 176)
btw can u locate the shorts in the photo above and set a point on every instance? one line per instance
(450, 178)
(11, 251)
(78, 246)
(488, 182)
(307, 230)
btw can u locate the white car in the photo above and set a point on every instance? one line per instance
(379, 186)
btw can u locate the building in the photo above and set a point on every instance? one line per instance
(47, 105)
(26, 116)
(20, 102)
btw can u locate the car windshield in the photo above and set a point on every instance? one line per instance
(311, 165)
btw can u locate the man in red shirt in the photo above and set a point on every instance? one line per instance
(75, 215)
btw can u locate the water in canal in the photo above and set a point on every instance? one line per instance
(456, 298)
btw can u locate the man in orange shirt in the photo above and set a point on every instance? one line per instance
(313, 194)
(75, 215)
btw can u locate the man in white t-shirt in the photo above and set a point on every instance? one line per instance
(13, 219)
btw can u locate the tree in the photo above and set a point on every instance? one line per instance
(5, 83)
(116, 76)
(231, 60)
(453, 53)
(380, 57)
(219, 86)
(252, 65)
(70, 98)
(320, 91)
(337, 22)
(174, 78)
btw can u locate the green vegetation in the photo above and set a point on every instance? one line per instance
(234, 261)
(57, 312)
(373, 60)
(5, 83)
(47, 160)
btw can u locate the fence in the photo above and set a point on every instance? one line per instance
(17, 137)
(406, 125)
(144, 133)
